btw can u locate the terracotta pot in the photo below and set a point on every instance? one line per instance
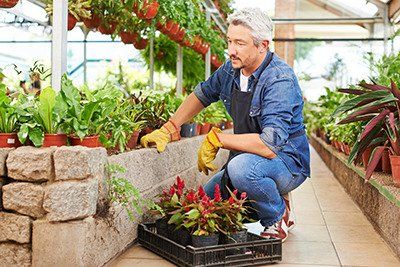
(395, 163)
(8, 3)
(347, 149)
(174, 29)
(128, 37)
(198, 129)
(9, 140)
(386, 162)
(88, 141)
(140, 44)
(93, 22)
(152, 10)
(205, 128)
(107, 29)
(133, 141)
(365, 158)
(229, 125)
(71, 21)
(54, 140)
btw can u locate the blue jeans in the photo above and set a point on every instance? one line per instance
(264, 180)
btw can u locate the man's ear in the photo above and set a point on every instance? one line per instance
(264, 46)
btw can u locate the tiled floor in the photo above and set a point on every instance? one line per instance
(330, 230)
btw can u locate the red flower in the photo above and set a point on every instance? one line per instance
(180, 183)
(217, 193)
(179, 192)
(235, 192)
(172, 190)
(243, 195)
(201, 193)
(191, 197)
(231, 200)
(205, 201)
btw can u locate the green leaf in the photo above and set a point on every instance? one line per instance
(36, 135)
(47, 101)
(175, 218)
(193, 214)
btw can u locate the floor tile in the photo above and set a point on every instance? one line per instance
(140, 252)
(309, 253)
(346, 205)
(142, 263)
(354, 234)
(362, 254)
(308, 217)
(345, 218)
(309, 233)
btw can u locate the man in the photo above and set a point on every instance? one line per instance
(269, 149)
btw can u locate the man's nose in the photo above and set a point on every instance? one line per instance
(232, 50)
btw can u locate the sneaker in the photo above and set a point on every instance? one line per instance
(278, 230)
(288, 217)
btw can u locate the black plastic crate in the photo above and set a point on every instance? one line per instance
(258, 250)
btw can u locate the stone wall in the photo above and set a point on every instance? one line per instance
(379, 199)
(55, 211)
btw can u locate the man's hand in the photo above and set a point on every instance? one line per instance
(208, 151)
(161, 137)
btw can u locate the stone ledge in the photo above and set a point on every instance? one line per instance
(95, 240)
(378, 199)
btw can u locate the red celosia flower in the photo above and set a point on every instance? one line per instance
(179, 192)
(180, 183)
(205, 201)
(191, 197)
(235, 192)
(172, 190)
(201, 192)
(243, 195)
(217, 193)
(231, 200)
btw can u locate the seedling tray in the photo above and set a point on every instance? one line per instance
(258, 250)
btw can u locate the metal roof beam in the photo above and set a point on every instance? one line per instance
(329, 21)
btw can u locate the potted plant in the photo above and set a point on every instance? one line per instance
(43, 119)
(77, 10)
(87, 111)
(372, 105)
(8, 3)
(9, 123)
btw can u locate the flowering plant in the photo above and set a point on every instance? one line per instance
(234, 212)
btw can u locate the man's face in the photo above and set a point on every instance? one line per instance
(242, 51)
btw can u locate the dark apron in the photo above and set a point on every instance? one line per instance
(243, 124)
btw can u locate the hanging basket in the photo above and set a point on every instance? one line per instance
(93, 22)
(140, 43)
(71, 21)
(152, 10)
(8, 3)
(109, 28)
(128, 37)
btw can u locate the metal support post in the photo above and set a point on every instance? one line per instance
(59, 42)
(152, 62)
(179, 71)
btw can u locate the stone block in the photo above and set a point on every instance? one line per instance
(2, 183)
(33, 164)
(14, 255)
(15, 227)
(71, 200)
(78, 162)
(3, 157)
(24, 198)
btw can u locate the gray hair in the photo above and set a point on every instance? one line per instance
(257, 21)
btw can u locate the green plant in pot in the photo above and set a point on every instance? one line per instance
(9, 120)
(371, 106)
(87, 111)
(43, 119)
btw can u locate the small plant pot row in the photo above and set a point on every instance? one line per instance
(388, 163)
(185, 238)
(194, 129)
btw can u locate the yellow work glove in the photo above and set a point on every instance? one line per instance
(208, 151)
(161, 137)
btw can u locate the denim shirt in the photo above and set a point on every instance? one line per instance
(277, 105)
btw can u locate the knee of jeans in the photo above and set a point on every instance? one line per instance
(239, 172)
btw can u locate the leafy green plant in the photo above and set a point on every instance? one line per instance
(122, 192)
(44, 114)
(8, 114)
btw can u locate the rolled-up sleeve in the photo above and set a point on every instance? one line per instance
(208, 91)
(278, 102)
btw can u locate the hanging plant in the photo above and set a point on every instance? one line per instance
(8, 3)
(77, 10)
